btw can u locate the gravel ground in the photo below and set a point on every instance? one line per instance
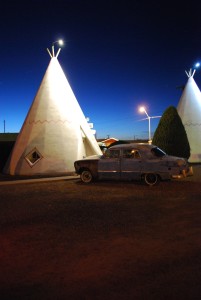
(107, 240)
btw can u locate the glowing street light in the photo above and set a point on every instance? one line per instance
(143, 110)
(60, 42)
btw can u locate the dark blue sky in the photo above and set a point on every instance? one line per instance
(118, 55)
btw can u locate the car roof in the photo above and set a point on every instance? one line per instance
(133, 145)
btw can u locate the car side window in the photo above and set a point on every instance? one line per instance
(131, 153)
(112, 154)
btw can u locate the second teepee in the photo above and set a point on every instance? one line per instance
(189, 109)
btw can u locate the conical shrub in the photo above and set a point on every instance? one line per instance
(170, 134)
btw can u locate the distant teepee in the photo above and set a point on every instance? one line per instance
(189, 109)
(55, 132)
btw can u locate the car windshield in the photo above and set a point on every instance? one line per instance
(157, 152)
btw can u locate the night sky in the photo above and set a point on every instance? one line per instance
(117, 56)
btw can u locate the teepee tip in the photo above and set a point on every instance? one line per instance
(190, 73)
(52, 54)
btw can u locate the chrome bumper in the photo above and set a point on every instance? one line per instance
(184, 174)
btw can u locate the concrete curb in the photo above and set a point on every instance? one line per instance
(20, 181)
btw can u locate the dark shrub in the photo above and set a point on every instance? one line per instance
(170, 134)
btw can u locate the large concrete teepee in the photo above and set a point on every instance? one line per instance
(55, 132)
(189, 109)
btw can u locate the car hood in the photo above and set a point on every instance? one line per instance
(92, 157)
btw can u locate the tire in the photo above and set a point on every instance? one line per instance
(151, 178)
(86, 176)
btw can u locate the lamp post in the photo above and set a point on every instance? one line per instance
(142, 109)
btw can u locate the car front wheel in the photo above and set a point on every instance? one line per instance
(86, 176)
(151, 178)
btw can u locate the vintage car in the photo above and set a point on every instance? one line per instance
(135, 161)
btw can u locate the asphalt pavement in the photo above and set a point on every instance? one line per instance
(31, 180)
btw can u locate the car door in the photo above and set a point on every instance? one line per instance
(131, 164)
(109, 165)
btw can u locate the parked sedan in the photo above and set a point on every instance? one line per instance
(135, 161)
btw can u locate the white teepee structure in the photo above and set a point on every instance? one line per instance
(189, 109)
(55, 132)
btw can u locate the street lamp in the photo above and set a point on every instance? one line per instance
(143, 110)
(60, 43)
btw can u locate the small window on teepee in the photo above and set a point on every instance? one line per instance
(33, 157)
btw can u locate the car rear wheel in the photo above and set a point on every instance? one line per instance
(151, 178)
(86, 176)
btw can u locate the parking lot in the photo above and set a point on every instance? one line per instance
(106, 240)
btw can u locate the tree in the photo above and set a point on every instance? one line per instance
(170, 134)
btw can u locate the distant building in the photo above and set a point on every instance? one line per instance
(8, 137)
(7, 141)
